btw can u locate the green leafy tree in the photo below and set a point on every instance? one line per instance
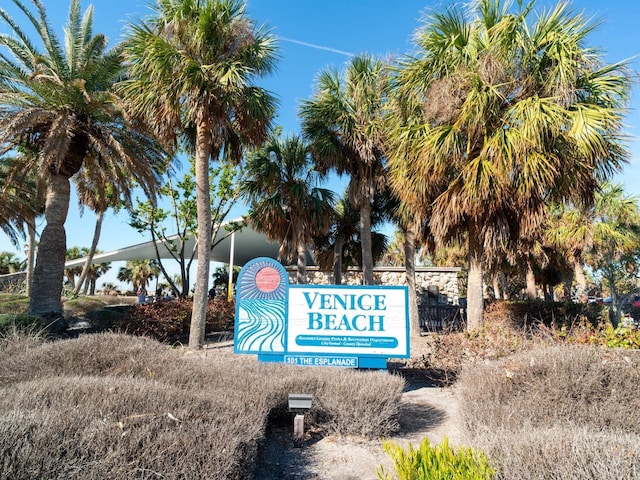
(286, 202)
(508, 110)
(343, 123)
(192, 68)
(175, 225)
(57, 100)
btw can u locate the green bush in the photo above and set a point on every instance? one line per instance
(621, 337)
(436, 463)
(22, 322)
(11, 303)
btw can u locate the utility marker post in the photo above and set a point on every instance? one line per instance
(299, 403)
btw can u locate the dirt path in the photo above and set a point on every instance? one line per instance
(425, 412)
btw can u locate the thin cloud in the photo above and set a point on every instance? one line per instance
(317, 47)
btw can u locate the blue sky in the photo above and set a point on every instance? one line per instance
(317, 34)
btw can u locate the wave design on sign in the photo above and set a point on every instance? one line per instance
(262, 329)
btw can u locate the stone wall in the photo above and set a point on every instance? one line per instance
(440, 281)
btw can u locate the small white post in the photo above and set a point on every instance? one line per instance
(298, 430)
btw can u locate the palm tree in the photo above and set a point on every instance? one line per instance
(192, 64)
(58, 101)
(514, 112)
(9, 263)
(340, 246)
(139, 272)
(72, 272)
(96, 192)
(599, 235)
(96, 270)
(343, 122)
(330, 248)
(23, 200)
(286, 203)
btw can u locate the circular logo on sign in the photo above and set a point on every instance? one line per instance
(267, 279)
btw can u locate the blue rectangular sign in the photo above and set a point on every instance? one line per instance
(318, 325)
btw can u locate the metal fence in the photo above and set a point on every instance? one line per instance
(439, 317)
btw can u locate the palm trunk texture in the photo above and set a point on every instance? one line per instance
(365, 239)
(92, 252)
(203, 201)
(475, 300)
(48, 275)
(410, 267)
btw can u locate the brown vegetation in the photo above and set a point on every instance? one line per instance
(116, 406)
(569, 412)
(542, 393)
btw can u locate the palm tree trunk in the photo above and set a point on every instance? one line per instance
(531, 291)
(616, 308)
(337, 259)
(366, 243)
(475, 300)
(581, 281)
(504, 286)
(497, 292)
(92, 251)
(31, 253)
(410, 267)
(203, 208)
(49, 271)
(301, 276)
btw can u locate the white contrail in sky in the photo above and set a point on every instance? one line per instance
(318, 47)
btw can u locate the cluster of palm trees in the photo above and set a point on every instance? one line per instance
(83, 278)
(502, 115)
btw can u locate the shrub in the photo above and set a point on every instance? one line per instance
(13, 304)
(439, 462)
(621, 337)
(529, 315)
(166, 321)
(169, 321)
(564, 411)
(118, 406)
(20, 322)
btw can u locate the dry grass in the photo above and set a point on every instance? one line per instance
(115, 406)
(569, 412)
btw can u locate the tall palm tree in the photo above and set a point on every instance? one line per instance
(340, 246)
(192, 68)
(343, 122)
(514, 111)
(96, 192)
(286, 202)
(72, 272)
(330, 248)
(58, 100)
